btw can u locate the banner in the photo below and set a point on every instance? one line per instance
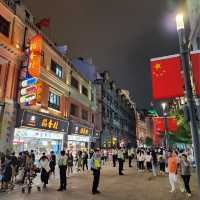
(167, 81)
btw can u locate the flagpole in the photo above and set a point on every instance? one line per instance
(184, 52)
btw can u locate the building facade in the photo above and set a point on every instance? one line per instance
(11, 42)
(116, 114)
(62, 111)
(194, 20)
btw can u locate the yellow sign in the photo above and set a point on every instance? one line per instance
(84, 131)
(49, 123)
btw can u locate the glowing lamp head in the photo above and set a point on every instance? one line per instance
(164, 105)
(179, 22)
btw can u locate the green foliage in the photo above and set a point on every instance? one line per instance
(183, 133)
(148, 141)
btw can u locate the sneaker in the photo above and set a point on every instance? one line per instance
(171, 191)
(60, 189)
(189, 194)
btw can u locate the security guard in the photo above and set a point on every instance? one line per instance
(62, 163)
(120, 157)
(96, 167)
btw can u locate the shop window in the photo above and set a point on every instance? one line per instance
(74, 110)
(74, 83)
(85, 115)
(57, 69)
(54, 101)
(84, 90)
(4, 26)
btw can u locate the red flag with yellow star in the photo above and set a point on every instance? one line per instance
(195, 59)
(167, 81)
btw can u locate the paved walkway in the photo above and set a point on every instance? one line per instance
(132, 186)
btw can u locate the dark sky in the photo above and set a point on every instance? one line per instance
(119, 35)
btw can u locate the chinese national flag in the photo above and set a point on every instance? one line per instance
(159, 124)
(167, 81)
(171, 123)
(195, 59)
(45, 22)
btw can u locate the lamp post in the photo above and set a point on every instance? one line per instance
(164, 105)
(184, 52)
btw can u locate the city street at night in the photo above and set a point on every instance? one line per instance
(99, 99)
(133, 185)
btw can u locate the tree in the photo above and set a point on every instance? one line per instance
(183, 132)
(148, 141)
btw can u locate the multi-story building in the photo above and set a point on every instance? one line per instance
(117, 114)
(194, 20)
(63, 99)
(11, 42)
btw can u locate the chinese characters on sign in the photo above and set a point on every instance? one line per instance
(35, 56)
(49, 123)
(83, 131)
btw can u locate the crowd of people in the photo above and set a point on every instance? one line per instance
(157, 161)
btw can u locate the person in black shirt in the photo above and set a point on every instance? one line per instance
(52, 163)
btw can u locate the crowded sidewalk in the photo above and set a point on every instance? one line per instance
(133, 185)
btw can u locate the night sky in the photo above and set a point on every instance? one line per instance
(119, 35)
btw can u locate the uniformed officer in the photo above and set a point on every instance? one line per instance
(120, 157)
(96, 167)
(114, 155)
(62, 163)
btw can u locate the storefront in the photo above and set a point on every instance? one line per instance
(40, 132)
(79, 137)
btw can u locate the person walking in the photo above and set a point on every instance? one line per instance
(96, 167)
(130, 156)
(52, 163)
(70, 164)
(185, 167)
(114, 156)
(148, 159)
(85, 160)
(120, 157)
(154, 162)
(62, 163)
(172, 169)
(44, 162)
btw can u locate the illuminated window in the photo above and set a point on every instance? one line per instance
(84, 91)
(57, 69)
(4, 26)
(74, 83)
(54, 101)
(84, 115)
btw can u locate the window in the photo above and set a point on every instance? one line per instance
(85, 115)
(4, 26)
(57, 69)
(84, 90)
(74, 83)
(54, 101)
(74, 110)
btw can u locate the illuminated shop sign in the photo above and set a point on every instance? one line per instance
(35, 56)
(43, 121)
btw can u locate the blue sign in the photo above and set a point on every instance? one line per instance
(29, 82)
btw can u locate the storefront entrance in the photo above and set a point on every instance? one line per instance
(26, 139)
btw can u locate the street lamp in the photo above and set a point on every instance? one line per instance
(191, 105)
(164, 105)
